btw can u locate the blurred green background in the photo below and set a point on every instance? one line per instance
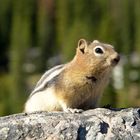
(38, 34)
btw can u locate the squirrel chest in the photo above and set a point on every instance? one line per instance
(78, 89)
(77, 84)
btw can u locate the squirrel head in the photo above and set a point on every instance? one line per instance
(97, 54)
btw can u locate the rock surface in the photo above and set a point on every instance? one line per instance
(96, 124)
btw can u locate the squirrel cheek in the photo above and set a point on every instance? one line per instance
(108, 60)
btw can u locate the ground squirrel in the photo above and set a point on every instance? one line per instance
(78, 84)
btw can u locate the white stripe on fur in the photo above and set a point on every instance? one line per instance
(50, 74)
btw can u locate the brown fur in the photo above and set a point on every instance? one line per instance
(74, 87)
(77, 91)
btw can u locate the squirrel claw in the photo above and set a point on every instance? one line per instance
(71, 110)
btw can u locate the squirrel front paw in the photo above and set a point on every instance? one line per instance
(73, 110)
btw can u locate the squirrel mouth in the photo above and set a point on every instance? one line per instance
(115, 60)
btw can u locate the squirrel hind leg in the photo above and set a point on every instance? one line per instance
(43, 101)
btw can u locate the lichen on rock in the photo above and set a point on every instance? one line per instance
(95, 124)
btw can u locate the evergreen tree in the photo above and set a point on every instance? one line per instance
(45, 31)
(20, 42)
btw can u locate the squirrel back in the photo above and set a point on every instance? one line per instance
(77, 84)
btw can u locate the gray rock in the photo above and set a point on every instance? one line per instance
(96, 124)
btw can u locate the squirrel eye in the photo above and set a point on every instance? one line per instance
(99, 50)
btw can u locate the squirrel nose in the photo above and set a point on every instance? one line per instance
(116, 59)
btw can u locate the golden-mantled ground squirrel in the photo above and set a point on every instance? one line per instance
(78, 84)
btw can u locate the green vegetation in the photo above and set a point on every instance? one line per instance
(37, 34)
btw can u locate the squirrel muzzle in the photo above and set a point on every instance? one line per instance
(115, 60)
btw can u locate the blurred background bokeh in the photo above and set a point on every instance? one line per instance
(38, 34)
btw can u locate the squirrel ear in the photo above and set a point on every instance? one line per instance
(82, 45)
(95, 41)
